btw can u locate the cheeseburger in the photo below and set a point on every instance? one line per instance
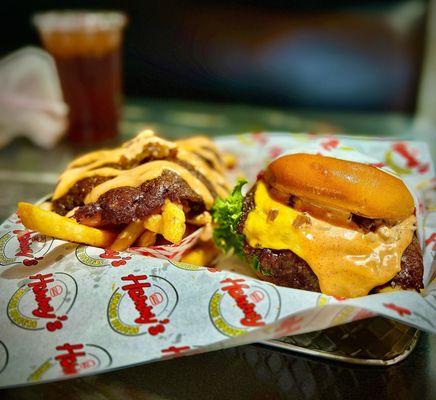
(323, 224)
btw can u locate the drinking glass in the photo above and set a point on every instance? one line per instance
(86, 46)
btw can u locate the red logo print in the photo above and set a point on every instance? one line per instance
(24, 243)
(275, 151)
(431, 239)
(330, 144)
(87, 364)
(24, 250)
(18, 221)
(362, 314)
(378, 164)
(55, 290)
(135, 290)
(259, 138)
(236, 290)
(175, 350)
(400, 310)
(44, 308)
(68, 360)
(156, 298)
(114, 255)
(289, 325)
(410, 157)
(256, 296)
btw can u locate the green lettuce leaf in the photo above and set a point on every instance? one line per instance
(226, 215)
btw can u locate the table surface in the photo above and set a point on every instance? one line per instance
(247, 372)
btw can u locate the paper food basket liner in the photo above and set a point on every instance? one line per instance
(70, 310)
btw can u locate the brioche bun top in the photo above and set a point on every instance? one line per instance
(355, 187)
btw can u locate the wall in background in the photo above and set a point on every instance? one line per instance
(349, 56)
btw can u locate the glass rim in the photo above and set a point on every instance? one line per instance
(83, 20)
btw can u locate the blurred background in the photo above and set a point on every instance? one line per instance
(336, 55)
(216, 67)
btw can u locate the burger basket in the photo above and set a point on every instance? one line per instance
(97, 312)
(375, 341)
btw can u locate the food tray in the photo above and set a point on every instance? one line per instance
(375, 341)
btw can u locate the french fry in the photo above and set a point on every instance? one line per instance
(71, 213)
(201, 219)
(148, 238)
(154, 223)
(51, 224)
(47, 205)
(207, 233)
(173, 219)
(128, 235)
(202, 254)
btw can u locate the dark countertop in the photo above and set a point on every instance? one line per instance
(253, 372)
(246, 372)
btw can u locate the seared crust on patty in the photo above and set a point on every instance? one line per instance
(76, 195)
(125, 204)
(283, 268)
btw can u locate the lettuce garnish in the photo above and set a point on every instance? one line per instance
(226, 215)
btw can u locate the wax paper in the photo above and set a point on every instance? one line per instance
(68, 310)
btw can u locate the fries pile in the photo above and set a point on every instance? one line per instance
(51, 224)
(170, 224)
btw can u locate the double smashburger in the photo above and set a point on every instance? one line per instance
(148, 191)
(324, 224)
(115, 187)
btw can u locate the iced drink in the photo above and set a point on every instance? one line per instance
(87, 49)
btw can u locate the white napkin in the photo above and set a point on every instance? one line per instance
(31, 101)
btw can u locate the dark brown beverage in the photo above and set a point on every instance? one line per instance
(88, 59)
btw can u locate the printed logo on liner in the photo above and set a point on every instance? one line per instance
(174, 351)
(21, 246)
(96, 257)
(142, 304)
(240, 305)
(43, 301)
(72, 359)
(404, 159)
(4, 357)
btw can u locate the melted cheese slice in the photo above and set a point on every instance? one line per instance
(98, 163)
(347, 262)
(92, 164)
(129, 150)
(217, 180)
(205, 148)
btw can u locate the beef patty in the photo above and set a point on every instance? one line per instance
(76, 194)
(285, 268)
(124, 204)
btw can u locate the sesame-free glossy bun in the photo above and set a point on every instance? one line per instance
(355, 187)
